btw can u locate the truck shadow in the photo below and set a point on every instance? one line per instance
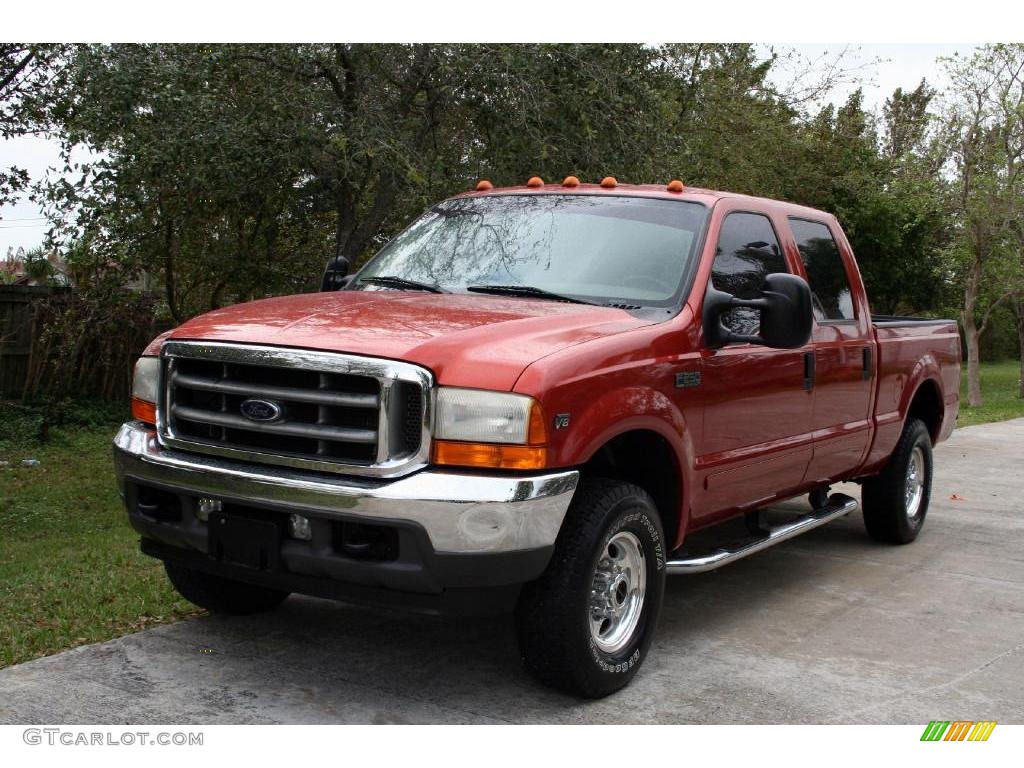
(338, 662)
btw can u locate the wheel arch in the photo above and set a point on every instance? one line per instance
(926, 404)
(645, 457)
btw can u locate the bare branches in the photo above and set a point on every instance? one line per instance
(802, 81)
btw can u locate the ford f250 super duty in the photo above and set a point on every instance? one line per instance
(530, 400)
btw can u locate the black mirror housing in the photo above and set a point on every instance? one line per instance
(336, 274)
(785, 308)
(787, 318)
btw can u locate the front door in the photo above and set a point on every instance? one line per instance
(757, 438)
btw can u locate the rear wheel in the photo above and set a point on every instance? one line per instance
(220, 595)
(585, 626)
(896, 500)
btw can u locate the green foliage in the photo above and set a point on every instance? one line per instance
(19, 425)
(25, 426)
(31, 76)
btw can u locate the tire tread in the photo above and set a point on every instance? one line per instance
(882, 495)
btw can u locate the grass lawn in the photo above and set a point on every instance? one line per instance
(70, 569)
(1000, 387)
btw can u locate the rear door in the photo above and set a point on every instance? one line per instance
(757, 414)
(843, 351)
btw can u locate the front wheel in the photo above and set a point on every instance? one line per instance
(896, 500)
(586, 625)
(221, 595)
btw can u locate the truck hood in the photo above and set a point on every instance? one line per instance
(466, 340)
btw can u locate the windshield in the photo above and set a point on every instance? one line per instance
(600, 249)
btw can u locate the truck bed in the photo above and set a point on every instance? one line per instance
(897, 321)
(910, 349)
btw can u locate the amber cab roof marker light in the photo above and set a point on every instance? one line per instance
(484, 185)
(535, 181)
(609, 182)
(675, 186)
(570, 181)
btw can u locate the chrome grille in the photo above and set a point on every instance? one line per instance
(331, 412)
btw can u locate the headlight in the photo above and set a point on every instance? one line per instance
(478, 416)
(478, 428)
(145, 386)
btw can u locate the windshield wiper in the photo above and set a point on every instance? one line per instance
(393, 281)
(526, 290)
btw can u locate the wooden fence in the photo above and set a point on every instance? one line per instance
(16, 334)
(53, 344)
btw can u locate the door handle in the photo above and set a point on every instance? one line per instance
(809, 371)
(867, 363)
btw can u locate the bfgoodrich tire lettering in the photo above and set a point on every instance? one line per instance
(591, 570)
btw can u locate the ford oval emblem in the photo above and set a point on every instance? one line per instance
(261, 410)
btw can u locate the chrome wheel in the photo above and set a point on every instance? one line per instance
(617, 592)
(913, 488)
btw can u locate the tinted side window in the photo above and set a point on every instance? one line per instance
(826, 273)
(747, 251)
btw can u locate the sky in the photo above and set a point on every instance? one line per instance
(885, 67)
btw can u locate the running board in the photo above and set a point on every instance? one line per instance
(839, 504)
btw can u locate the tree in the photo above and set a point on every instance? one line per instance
(233, 172)
(29, 73)
(984, 130)
(880, 178)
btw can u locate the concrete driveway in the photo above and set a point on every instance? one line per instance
(827, 628)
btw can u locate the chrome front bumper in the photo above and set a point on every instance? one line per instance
(461, 513)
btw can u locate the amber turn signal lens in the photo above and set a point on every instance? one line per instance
(489, 455)
(609, 182)
(537, 434)
(535, 181)
(675, 186)
(144, 411)
(483, 185)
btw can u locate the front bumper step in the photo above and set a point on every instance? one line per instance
(839, 504)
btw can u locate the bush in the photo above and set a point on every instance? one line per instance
(19, 426)
(25, 426)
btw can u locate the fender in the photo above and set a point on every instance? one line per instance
(887, 429)
(927, 368)
(630, 409)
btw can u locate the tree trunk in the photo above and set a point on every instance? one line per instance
(971, 334)
(973, 369)
(1018, 306)
(169, 281)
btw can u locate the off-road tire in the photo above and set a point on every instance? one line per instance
(884, 497)
(220, 595)
(553, 616)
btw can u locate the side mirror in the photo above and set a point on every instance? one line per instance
(785, 308)
(336, 275)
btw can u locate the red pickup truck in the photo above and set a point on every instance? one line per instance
(529, 400)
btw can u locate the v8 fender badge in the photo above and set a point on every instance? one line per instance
(561, 420)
